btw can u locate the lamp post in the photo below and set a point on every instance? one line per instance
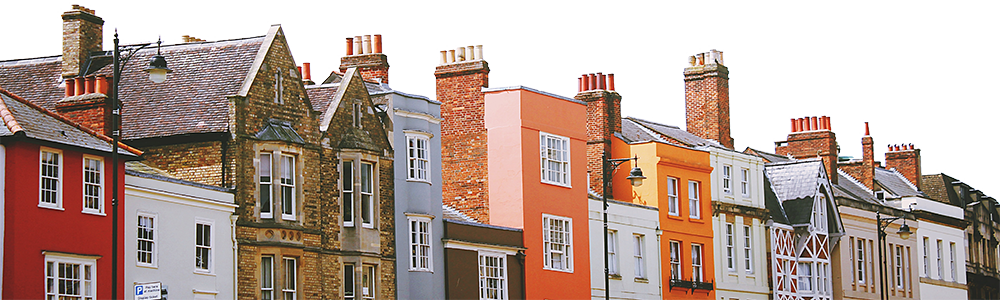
(904, 233)
(610, 166)
(157, 73)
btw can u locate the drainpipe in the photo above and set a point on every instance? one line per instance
(236, 275)
(659, 260)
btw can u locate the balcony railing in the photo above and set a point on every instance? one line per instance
(690, 285)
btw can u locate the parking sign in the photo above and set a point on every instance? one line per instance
(147, 291)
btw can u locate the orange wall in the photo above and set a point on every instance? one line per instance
(659, 161)
(518, 198)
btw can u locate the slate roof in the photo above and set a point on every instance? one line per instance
(192, 100)
(894, 182)
(767, 156)
(322, 95)
(277, 130)
(669, 133)
(795, 185)
(22, 118)
(140, 169)
(849, 187)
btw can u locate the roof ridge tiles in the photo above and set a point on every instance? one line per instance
(59, 117)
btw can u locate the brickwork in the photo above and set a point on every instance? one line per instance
(863, 170)
(83, 32)
(87, 110)
(603, 120)
(374, 67)
(810, 144)
(905, 161)
(706, 99)
(198, 162)
(463, 136)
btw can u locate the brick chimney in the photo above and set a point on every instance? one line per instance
(373, 65)
(906, 160)
(863, 170)
(604, 118)
(812, 137)
(86, 102)
(83, 33)
(706, 97)
(460, 79)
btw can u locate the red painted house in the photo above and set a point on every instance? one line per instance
(56, 205)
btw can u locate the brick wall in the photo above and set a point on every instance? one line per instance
(87, 110)
(463, 136)
(706, 99)
(83, 32)
(906, 160)
(863, 170)
(604, 118)
(374, 67)
(198, 162)
(811, 144)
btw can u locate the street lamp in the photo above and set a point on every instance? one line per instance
(157, 73)
(635, 176)
(904, 233)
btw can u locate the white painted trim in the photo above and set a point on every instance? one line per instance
(83, 195)
(417, 115)
(473, 246)
(60, 192)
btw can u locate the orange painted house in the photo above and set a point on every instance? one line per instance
(678, 182)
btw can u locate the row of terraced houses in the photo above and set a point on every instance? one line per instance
(243, 178)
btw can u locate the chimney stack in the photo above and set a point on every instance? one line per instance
(863, 170)
(906, 160)
(373, 65)
(306, 71)
(86, 102)
(604, 118)
(706, 97)
(460, 80)
(83, 33)
(807, 141)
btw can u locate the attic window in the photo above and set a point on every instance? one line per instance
(356, 114)
(880, 195)
(278, 88)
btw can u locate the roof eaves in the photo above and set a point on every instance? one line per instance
(259, 59)
(521, 87)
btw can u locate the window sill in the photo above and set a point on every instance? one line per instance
(422, 270)
(96, 213)
(615, 276)
(288, 218)
(557, 184)
(558, 270)
(696, 220)
(675, 217)
(146, 266)
(206, 273)
(419, 181)
(641, 280)
(50, 206)
(369, 226)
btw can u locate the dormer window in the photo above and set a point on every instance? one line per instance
(880, 195)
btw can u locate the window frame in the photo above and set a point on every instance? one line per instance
(288, 212)
(954, 267)
(697, 263)
(927, 257)
(153, 242)
(502, 281)
(745, 182)
(414, 170)
(730, 247)
(639, 253)
(940, 260)
(748, 249)
(673, 204)
(805, 279)
(727, 179)
(99, 185)
(567, 259)
(899, 266)
(416, 259)
(267, 278)
(350, 288)
(289, 280)
(59, 178)
(862, 265)
(613, 268)
(87, 266)
(562, 177)
(269, 214)
(372, 183)
(676, 271)
(694, 199)
(347, 192)
(372, 286)
(211, 246)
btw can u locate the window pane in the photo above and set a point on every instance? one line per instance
(265, 184)
(347, 190)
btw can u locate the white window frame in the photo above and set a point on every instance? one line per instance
(286, 181)
(613, 253)
(862, 265)
(289, 280)
(697, 263)
(676, 272)
(369, 290)
(556, 157)
(727, 179)
(899, 266)
(805, 273)
(267, 277)
(493, 279)
(694, 199)
(672, 202)
(152, 241)
(211, 246)
(954, 268)
(730, 248)
(927, 257)
(566, 243)
(347, 191)
(265, 180)
(350, 282)
(747, 249)
(85, 263)
(639, 243)
(58, 179)
(940, 260)
(745, 182)
(421, 251)
(99, 185)
(368, 197)
(418, 163)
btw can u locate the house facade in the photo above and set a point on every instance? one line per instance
(484, 261)
(56, 184)
(633, 250)
(980, 237)
(171, 221)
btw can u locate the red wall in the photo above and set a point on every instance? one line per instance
(29, 229)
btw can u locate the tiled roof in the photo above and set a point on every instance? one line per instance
(23, 118)
(849, 187)
(632, 132)
(140, 169)
(769, 157)
(192, 100)
(674, 133)
(796, 179)
(322, 95)
(895, 183)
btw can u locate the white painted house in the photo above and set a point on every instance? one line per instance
(633, 250)
(180, 234)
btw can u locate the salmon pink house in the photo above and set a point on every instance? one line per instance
(55, 205)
